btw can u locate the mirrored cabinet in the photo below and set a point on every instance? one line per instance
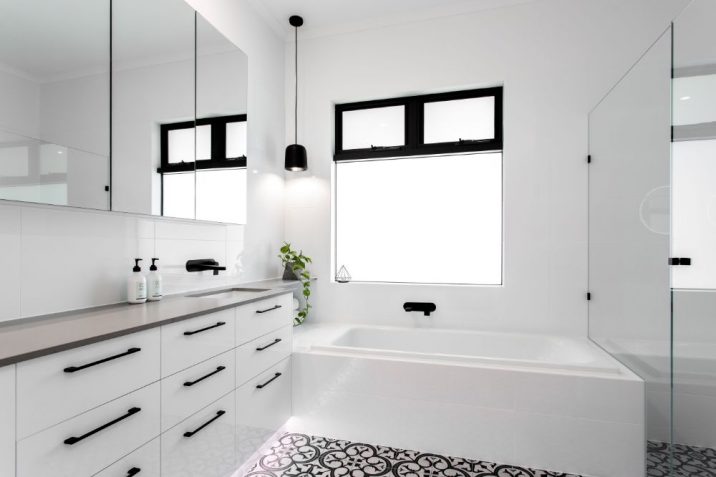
(122, 105)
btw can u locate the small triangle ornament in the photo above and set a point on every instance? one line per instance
(343, 276)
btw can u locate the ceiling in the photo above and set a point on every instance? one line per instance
(325, 17)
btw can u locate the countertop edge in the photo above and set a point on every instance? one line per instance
(72, 344)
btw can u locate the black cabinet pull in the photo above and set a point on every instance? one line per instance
(276, 341)
(133, 471)
(189, 333)
(74, 440)
(261, 386)
(73, 369)
(218, 415)
(218, 370)
(269, 309)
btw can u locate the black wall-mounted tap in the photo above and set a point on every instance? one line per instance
(426, 308)
(204, 264)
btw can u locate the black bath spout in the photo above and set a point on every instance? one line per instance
(204, 264)
(426, 308)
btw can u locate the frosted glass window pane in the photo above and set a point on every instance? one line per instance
(221, 195)
(421, 220)
(181, 145)
(14, 161)
(374, 127)
(203, 142)
(178, 197)
(694, 99)
(236, 139)
(694, 213)
(468, 119)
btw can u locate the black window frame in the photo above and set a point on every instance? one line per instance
(414, 126)
(218, 158)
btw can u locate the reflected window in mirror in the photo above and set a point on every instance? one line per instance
(216, 191)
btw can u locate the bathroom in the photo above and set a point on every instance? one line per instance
(196, 282)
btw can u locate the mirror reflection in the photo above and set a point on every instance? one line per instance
(54, 91)
(170, 138)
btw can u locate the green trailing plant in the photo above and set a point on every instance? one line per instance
(298, 263)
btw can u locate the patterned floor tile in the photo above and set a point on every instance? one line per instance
(688, 461)
(300, 455)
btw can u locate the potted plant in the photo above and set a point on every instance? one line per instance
(295, 264)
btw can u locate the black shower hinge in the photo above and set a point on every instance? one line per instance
(589, 296)
(680, 261)
(589, 159)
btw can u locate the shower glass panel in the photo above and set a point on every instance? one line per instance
(629, 217)
(693, 196)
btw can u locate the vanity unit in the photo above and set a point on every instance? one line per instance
(167, 393)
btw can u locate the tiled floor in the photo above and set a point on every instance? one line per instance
(688, 461)
(299, 455)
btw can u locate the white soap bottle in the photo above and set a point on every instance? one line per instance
(136, 285)
(154, 283)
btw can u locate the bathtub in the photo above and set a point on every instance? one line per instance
(469, 347)
(553, 403)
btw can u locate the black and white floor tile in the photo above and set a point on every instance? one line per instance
(300, 455)
(688, 461)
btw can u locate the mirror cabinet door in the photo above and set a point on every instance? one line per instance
(153, 137)
(221, 84)
(54, 92)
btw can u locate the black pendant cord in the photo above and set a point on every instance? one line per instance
(295, 110)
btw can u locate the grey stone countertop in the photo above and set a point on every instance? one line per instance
(37, 336)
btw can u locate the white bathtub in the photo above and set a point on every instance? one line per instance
(545, 402)
(451, 346)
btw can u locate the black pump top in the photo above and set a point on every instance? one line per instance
(136, 265)
(153, 267)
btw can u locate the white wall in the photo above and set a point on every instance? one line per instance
(20, 99)
(56, 259)
(556, 58)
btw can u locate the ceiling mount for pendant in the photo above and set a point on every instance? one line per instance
(295, 21)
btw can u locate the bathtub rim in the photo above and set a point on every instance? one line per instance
(314, 338)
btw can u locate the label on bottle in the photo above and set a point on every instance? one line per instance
(141, 291)
(156, 288)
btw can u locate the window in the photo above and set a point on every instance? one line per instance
(418, 189)
(210, 187)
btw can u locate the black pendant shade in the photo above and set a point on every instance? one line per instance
(296, 158)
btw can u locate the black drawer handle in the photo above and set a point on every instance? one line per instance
(261, 386)
(133, 471)
(74, 440)
(189, 333)
(218, 370)
(73, 369)
(218, 415)
(269, 309)
(276, 341)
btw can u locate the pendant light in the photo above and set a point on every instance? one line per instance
(296, 159)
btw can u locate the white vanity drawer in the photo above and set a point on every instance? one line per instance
(62, 385)
(263, 405)
(187, 391)
(143, 462)
(258, 355)
(7, 421)
(204, 444)
(188, 342)
(88, 443)
(261, 317)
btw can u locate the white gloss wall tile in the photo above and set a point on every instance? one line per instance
(165, 229)
(73, 259)
(10, 229)
(234, 257)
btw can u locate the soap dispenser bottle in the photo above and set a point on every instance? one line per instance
(136, 285)
(154, 283)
